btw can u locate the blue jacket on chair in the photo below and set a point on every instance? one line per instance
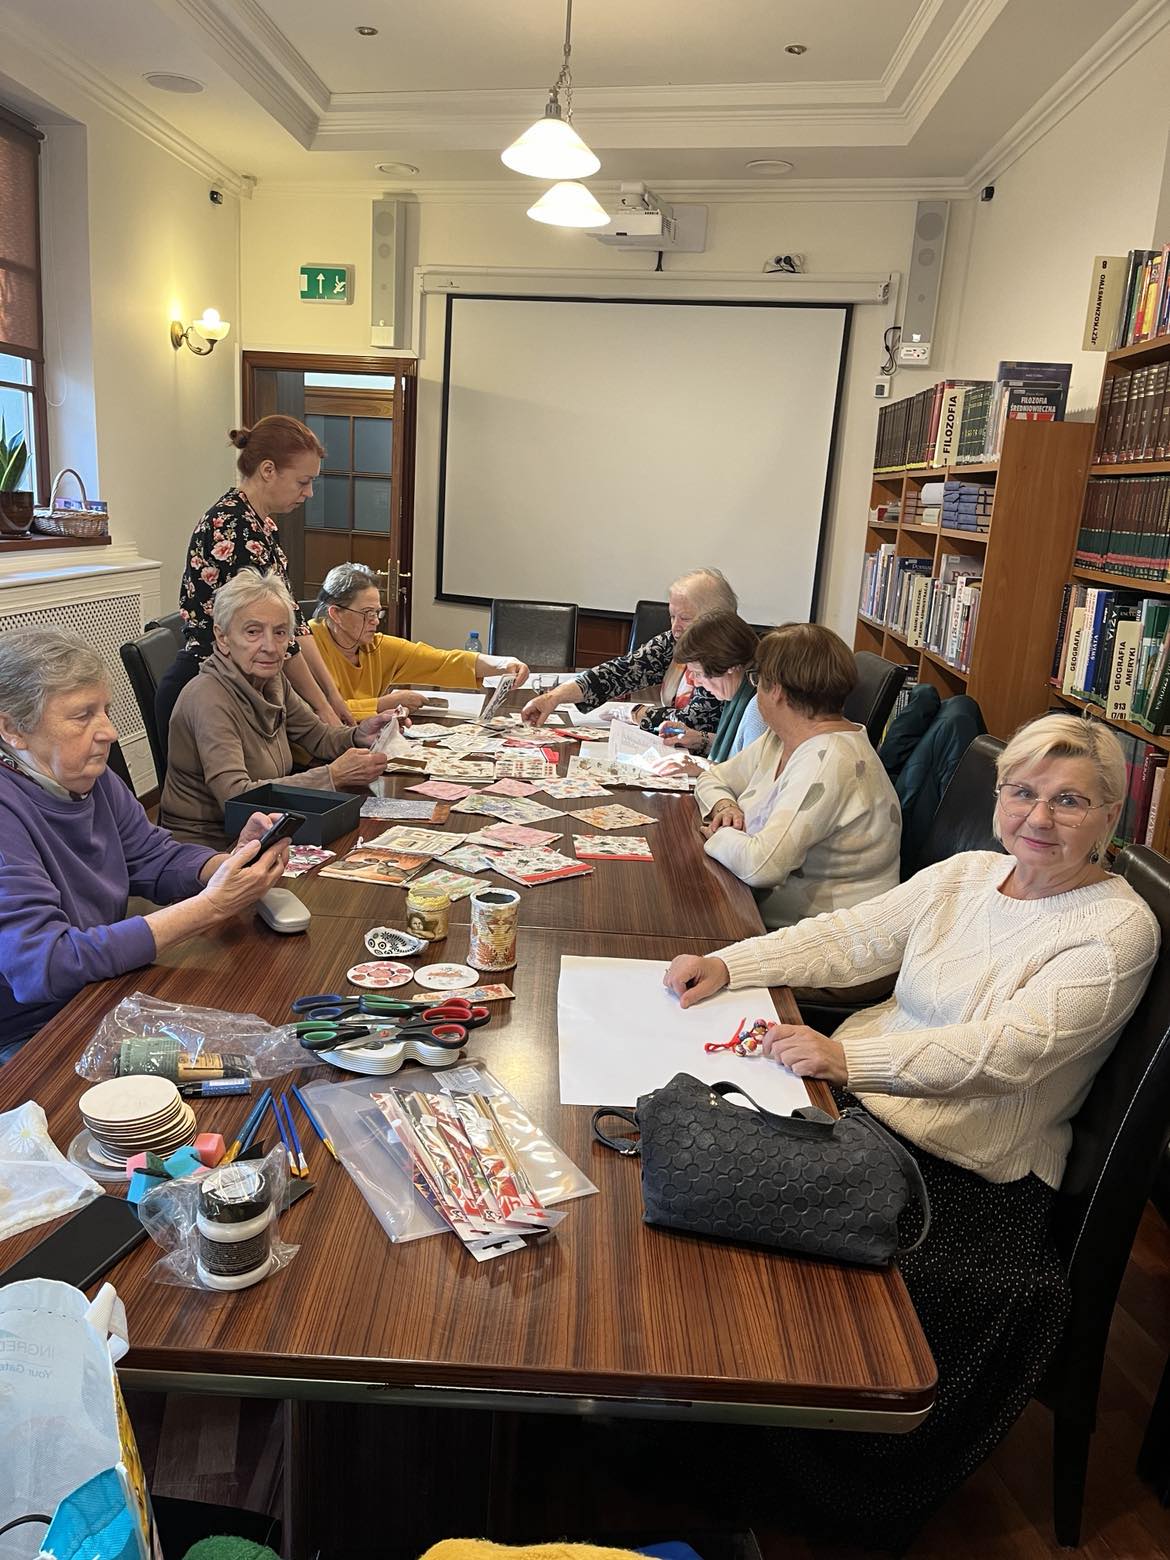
(920, 753)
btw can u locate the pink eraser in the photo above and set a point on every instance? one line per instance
(135, 1162)
(210, 1147)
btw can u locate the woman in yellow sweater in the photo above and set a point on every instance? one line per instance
(366, 665)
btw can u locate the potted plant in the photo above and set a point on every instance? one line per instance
(16, 505)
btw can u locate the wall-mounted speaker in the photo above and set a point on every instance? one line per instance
(923, 281)
(389, 323)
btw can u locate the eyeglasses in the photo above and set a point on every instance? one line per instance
(1067, 808)
(371, 614)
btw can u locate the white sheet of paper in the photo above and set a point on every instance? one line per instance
(604, 714)
(622, 1034)
(630, 743)
(464, 705)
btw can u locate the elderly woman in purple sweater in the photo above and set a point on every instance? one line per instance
(75, 843)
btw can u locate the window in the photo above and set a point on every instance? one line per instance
(22, 396)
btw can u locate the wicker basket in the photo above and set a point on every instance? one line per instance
(57, 521)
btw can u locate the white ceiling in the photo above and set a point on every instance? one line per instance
(922, 93)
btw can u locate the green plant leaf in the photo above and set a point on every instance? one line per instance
(13, 469)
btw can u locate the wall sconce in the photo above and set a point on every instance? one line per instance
(209, 328)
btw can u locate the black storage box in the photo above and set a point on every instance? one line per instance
(327, 813)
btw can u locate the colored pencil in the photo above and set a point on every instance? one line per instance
(292, 1164)
(295, 1135)
(248, 1127)
(313, 1122)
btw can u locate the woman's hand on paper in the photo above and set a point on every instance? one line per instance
(401, 699)
(692, 978)
(693, 741)
(369, 729)
(538, 710)
(807, 1053)
(357, 767)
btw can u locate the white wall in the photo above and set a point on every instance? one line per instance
(281, 231)
(130, 238)
(1089, 187)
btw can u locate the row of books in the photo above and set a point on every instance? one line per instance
(1145, 769)
(1113, 650)
(961, 421)
(1125, 527)
(936, 613)
(1129, 300)
(1133, 422)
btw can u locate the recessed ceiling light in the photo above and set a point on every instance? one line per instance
(796, 48)
(769, 165)
(395, 169)
(164, 81)
(366, 32)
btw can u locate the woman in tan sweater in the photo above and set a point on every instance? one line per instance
(233, 724)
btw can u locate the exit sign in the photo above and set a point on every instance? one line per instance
(327, 284)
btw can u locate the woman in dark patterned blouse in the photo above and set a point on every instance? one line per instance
(653, 664)
(278, 462)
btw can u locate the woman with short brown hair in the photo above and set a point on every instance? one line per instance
(278, 461)
(717, 650)
(805, 815)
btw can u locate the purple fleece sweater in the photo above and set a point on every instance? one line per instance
(66, 871)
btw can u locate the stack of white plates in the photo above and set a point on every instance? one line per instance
(131, 1115)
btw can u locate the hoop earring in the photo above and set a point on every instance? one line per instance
(1095, 855)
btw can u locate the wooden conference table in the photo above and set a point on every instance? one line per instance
(604, 1314)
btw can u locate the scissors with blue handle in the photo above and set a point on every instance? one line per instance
(445, 1025)
(332, 1006)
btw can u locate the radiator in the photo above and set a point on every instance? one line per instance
(106, 602)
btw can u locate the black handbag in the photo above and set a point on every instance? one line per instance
(809, 1184)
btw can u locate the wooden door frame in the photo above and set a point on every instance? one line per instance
(405, 371)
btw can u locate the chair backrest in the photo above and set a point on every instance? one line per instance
(308, 606)
(963, 818)
(173, 623)
(651, 618)
(146, 661)
(878, 684)
(543, 634)
(117, 762)
(1119, 1134)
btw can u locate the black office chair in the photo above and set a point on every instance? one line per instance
(1118, 1137)
(173, 623)
(962, 821)
(117, 762)
(308, 605)
(651, 618)
(542, 634)
(872, 701)
(146, 660)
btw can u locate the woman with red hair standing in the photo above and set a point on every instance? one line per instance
(278, 462)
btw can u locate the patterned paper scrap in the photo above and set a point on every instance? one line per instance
(511, 835)
(388, 867)
(454, 884)
(571, 787)
(405, 807)
(426, 729)
(402, 837)
(471, 858)
(443, 790)
(527, 766)
(450, 768)
(303, 858)
(613, 817)
(477, 804)
(522, 809)
(539, 866)
(624, 776)
(612, 847)
(507, 787)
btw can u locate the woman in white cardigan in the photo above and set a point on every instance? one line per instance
(806, 814)
(1015, 974)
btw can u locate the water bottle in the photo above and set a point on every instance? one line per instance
(473, 642)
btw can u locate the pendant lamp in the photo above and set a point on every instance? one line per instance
(568, 204)
(551, 148)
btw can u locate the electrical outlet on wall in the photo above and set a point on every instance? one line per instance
(914, 352)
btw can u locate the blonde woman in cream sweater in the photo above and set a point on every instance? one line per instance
(1015, 974)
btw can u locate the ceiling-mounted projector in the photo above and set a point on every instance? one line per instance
(644, 221)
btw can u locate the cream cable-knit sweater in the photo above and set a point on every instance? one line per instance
(1002, 1013)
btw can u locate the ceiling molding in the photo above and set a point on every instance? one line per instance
(950, 57)
(1142, 22)
(910, 43)
(246, 54)
(716, 192)
(121, 106)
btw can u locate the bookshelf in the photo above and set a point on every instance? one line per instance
(1145, 355)
(1038, 484)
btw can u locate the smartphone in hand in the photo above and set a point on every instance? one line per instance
(283, 829)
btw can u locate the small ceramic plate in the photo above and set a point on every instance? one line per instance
(380, 975)
(387, 942)
(445, 977)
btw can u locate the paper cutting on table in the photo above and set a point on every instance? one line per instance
(622, 1034)
(431, 842)
(303, 858)
(461, 705)
(454, 884)
(366, 865)
(447, 767)
(405, 807)
(534, 866)
(511, 836)
(472, 858)
(508, 788)
(614, 816)
(442, 790)
(604, 714)
(425, 730)
(525, 766)
(626, 776)
(479, 805)
(499, 697)
(571, 788)
(612, 847)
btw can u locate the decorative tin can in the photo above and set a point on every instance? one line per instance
(428, 911)
(494, 913)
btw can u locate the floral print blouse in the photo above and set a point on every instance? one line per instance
(644, 666)
(230, 537)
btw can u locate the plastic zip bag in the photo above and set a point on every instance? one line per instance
(188, 1044)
